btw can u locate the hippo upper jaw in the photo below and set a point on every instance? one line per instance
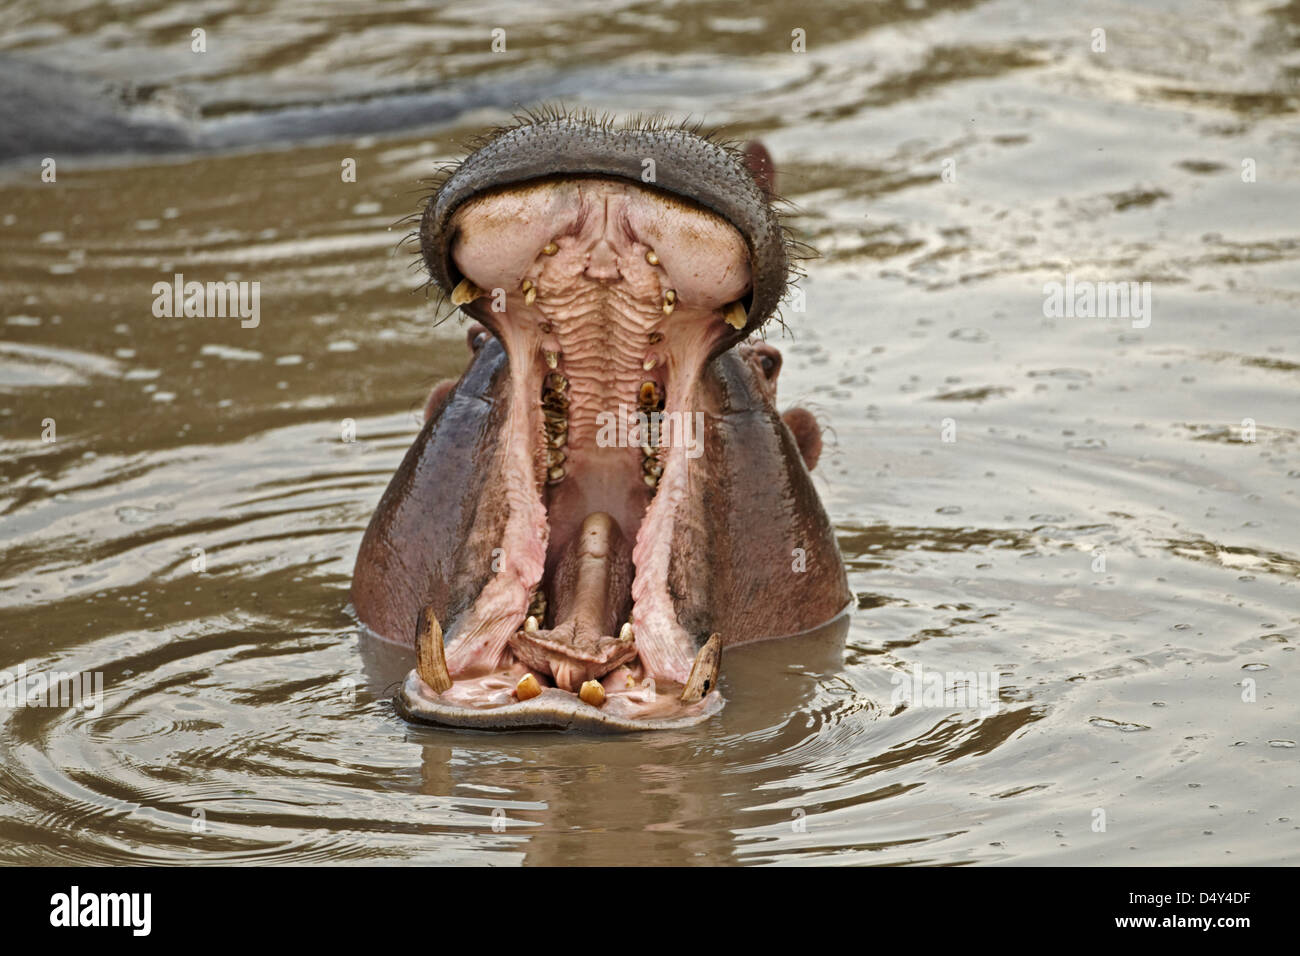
(673, 161)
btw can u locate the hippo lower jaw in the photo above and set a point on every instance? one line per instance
(610, 299)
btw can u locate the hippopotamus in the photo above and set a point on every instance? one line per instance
(607, 498)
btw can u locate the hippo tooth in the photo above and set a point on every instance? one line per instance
(530, 297)
(592, 693)
(430, 656)
(552, 358)
(655, 338)
(650, 362)
(651, 481)
(670, 300)
(556, 473)
(537, 607)
(704, 672)
(555, 457)
(530, 624)
(626, 633)
(465, 292)
(734, 316)
(550, 249)
(652, 258)
(648, 394)
(526, 285)
(528, 687)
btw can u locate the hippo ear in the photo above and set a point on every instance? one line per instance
(807, 434)
(759, 163)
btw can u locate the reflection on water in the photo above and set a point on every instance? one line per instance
(1101, 515)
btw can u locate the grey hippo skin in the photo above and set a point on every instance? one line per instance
(608, 497)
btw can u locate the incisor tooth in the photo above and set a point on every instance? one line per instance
(550, 249)
(734, 315)
(530, 624)
(704, 672)
(652, 258)
(430, 656)
(528, 687)
(526, 285)
(592, 693)
(465, 292)
(530, 297)
(625, 633)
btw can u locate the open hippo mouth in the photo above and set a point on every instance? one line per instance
(600, 437)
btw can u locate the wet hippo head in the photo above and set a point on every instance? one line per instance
(607, 497)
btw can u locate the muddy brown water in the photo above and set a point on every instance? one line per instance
(1099, 510)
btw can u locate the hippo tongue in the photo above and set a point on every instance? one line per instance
(591, 595)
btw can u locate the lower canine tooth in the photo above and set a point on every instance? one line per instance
(430, 656)
(527, 688)
(592, 693)
(704, 673)
(465, 292)
(734, 315)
